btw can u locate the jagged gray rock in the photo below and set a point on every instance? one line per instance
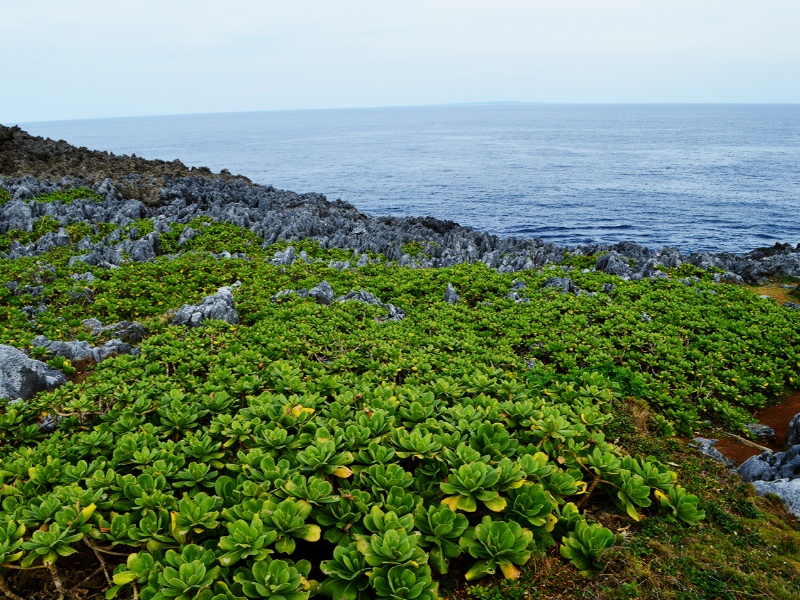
(395, 313)
(187, 234)
(761, 431)
(77, 351)
(788, 490)
(793, 432)
(85, 277)
(517, 298)
(728, 277)
(450, 294)
(613, 264)
(322, 293)
(73, 350)
(22, 377)
(565, 285)
(769, 466)
(758, 468)
(131, 332)
(112, 347)
(273, 215)
(706, 447)
(145, 249)
(219, 306)
(284, 258)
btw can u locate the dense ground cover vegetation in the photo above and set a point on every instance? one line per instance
(317, 449)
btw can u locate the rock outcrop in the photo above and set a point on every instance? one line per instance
(22, 377)
(219, 306)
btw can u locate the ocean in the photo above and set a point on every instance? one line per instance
(698, 177)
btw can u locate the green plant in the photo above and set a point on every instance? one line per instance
(441, 529)
(245, 540)
(497, 544)
(187, 575)
(275, 579)
(403, 583)
(347, 574)
(681, 505)
(585, 546)
(470, 483)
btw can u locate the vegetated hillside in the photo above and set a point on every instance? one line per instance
(262, 432)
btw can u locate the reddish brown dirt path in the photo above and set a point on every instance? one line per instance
(777, 417)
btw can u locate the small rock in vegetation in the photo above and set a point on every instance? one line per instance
(220, 306)
(450, 295)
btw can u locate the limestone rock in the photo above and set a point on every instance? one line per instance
(450, 295)
(787, 490)
(219, 306)
(793, 432)
(395, 314)
(322, 293)
(706, 447)
(565, 285)
(22, 377)
(613, 264)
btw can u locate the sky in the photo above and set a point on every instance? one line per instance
(93, 59)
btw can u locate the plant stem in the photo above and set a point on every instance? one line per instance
(62, 591)
(99, 558)
(7, 590)
(589, 491)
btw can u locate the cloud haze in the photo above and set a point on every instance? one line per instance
(88, 58)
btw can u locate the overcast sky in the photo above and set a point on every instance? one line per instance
(87, 58)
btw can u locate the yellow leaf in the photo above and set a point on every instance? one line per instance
(510, 571)
(451, 502)
(87, 512)
(343, 472)
(551, 522)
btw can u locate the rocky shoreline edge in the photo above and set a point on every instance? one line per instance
(127, 189)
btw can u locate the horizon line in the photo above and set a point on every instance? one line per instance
(398, 106)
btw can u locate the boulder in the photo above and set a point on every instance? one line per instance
(395, 314)
(728, 277)
(787, 490)
(564, 285)
(131, 332)
(613, 264)
(219, 306)
(322, 293)
(112, 347)
(85, 277)
(22, 377)
(77, 351)
(74, 350)
(285, 257)
(517, 298)
(761, 431)
(758, 468)
(186, 235)
(450, 295)
(793, 432)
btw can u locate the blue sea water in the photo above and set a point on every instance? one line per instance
(699, 177)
